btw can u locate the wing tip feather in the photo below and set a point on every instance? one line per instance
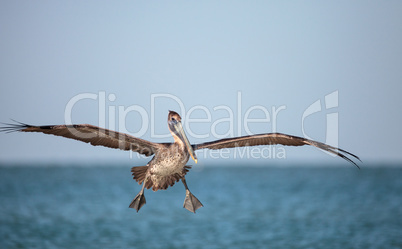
(14, 127)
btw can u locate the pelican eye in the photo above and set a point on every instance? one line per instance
(173, 119)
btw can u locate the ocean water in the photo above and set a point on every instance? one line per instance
(244, 207)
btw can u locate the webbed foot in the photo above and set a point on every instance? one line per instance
(191, 203)
(138, 201)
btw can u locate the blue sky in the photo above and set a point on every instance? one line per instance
(207, 56)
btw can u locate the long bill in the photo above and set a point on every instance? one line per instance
(180, 133)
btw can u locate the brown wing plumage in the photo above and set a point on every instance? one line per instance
(90, 134)
(272, 139)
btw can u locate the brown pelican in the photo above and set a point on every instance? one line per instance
(168, 165)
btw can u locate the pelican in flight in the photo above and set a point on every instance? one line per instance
(168, 165)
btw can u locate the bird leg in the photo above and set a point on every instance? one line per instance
(139, 200)
(191, 203)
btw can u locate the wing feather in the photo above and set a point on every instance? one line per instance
(273, 139)
(94, 135)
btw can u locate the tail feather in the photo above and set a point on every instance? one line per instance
(139, 173)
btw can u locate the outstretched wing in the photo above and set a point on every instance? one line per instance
(272, 139)
(90, 134)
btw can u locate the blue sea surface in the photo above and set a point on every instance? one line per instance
(244, 207)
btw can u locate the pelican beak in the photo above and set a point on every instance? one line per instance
(179, 131)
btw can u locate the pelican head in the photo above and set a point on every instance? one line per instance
(175, 127)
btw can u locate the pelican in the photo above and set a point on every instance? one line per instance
(168, 165)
